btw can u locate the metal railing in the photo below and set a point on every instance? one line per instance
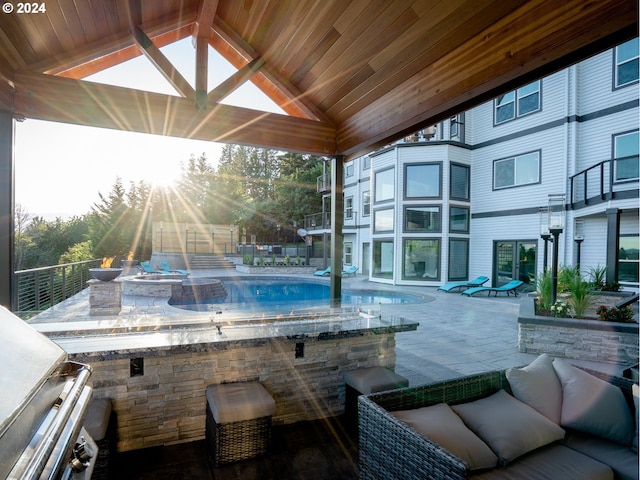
(42, 288)
(317, 221)
(323, 183)
(597, 183)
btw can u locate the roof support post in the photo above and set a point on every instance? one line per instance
(7, 201)
(337, 220)
(613, 243)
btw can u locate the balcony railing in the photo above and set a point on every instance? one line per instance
(317, 221)
(597, 183)
(42, 288)
(324, 183)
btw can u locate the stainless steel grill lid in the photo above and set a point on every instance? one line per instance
(39, 390)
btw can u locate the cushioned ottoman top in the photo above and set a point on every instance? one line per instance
(236, 402)
(374, 379)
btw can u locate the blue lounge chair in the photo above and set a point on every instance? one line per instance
(507, 287)
(323, 273)
(476, 282)
(147, 268)
(349, 271)
(164, 267)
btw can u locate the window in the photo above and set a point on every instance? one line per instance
(366, 163)
(421, 259)
(626, 156)
(454, 123)
(459, 219)
(422, 219)
(458, 259)
(348, 208)
(384, 185)
(366, 203)
(518, 103)
(382, 259)
(628, 261)
(348, 169)
(516, 171)
(383, 220)
(348, 253)
(422, 180)
(626, 63)
(459, 186)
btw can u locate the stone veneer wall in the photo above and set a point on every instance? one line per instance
(167, 404)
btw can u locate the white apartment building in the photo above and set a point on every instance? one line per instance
(463, 198)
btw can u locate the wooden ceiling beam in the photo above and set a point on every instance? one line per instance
(522, 47)
(202, 32)
(235, 81)
(52, 98)
(162, 63)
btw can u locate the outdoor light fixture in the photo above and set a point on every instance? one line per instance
(544, 234)
(556, 216)
(578, 237)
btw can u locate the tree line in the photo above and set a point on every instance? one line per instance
(256, 189)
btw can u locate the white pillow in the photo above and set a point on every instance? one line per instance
(510, 427)
(440, 424)
(592, 405)
(538, 386)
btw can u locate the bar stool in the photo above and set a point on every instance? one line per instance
(364, 381)
(238, 423)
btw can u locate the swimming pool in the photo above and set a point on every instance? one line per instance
(286, 294)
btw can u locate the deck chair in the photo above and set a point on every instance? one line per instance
(323, 273)
(476, 282)
(507, 287)
(147, 268)
(349, 271)
(165, 268)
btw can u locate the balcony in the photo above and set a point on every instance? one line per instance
(607, 180)
(317, 222)
(323, 183)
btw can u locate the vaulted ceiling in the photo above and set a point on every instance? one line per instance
(350, 74)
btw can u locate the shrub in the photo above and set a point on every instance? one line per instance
(580, 291)
(614, 314)
(560, 309)
(543, 287)
(247, 259)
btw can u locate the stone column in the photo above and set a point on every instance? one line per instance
(105, 298)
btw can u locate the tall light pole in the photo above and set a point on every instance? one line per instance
(545, 235)
(556, 225)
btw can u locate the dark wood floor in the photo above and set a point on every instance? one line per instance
(318, 450)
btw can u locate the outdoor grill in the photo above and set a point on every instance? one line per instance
(43, 403)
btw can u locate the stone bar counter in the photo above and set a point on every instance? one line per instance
(156, 374)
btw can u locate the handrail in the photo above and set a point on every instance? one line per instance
(602, 180)
(40, 288)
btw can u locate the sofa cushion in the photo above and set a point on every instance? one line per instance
(440, 424)
(621, 459)
(551, 462)
(592, 405)
(538, 386)
(510, 427)
(636, 396)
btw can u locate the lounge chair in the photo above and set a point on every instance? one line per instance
(349, 271)
(476, 282)
(507, 287)
(147, 268)
(323, 273)
(164, 267)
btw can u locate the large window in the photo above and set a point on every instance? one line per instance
(459, 219)
(422, 180)
(458, 259)
(421, 259)
(516, 171)
(383, 220)
(382, 259)
(459, 182)
(384, 185)
(626, 156)
(348, 208)
(628, 260)
(348, 169)
(626, 63)
(348, 253)
(366, 203)
(517, 103)
(422, 219)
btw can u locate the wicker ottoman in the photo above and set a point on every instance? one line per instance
(238, 421)
(365, 381)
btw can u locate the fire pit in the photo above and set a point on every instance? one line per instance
(105, 273)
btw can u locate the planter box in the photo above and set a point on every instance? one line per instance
(580, 339)
(271, 269)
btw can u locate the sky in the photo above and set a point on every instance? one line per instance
(60, 169)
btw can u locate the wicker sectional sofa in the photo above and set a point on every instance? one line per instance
(554, 446)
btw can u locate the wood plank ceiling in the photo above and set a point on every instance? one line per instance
(351, 75)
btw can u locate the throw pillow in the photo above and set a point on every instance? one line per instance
(444, 427)
(592, 405)
(510, 427)
(636, 395)
(538, 386)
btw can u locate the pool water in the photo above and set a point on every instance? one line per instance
(270, 295)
